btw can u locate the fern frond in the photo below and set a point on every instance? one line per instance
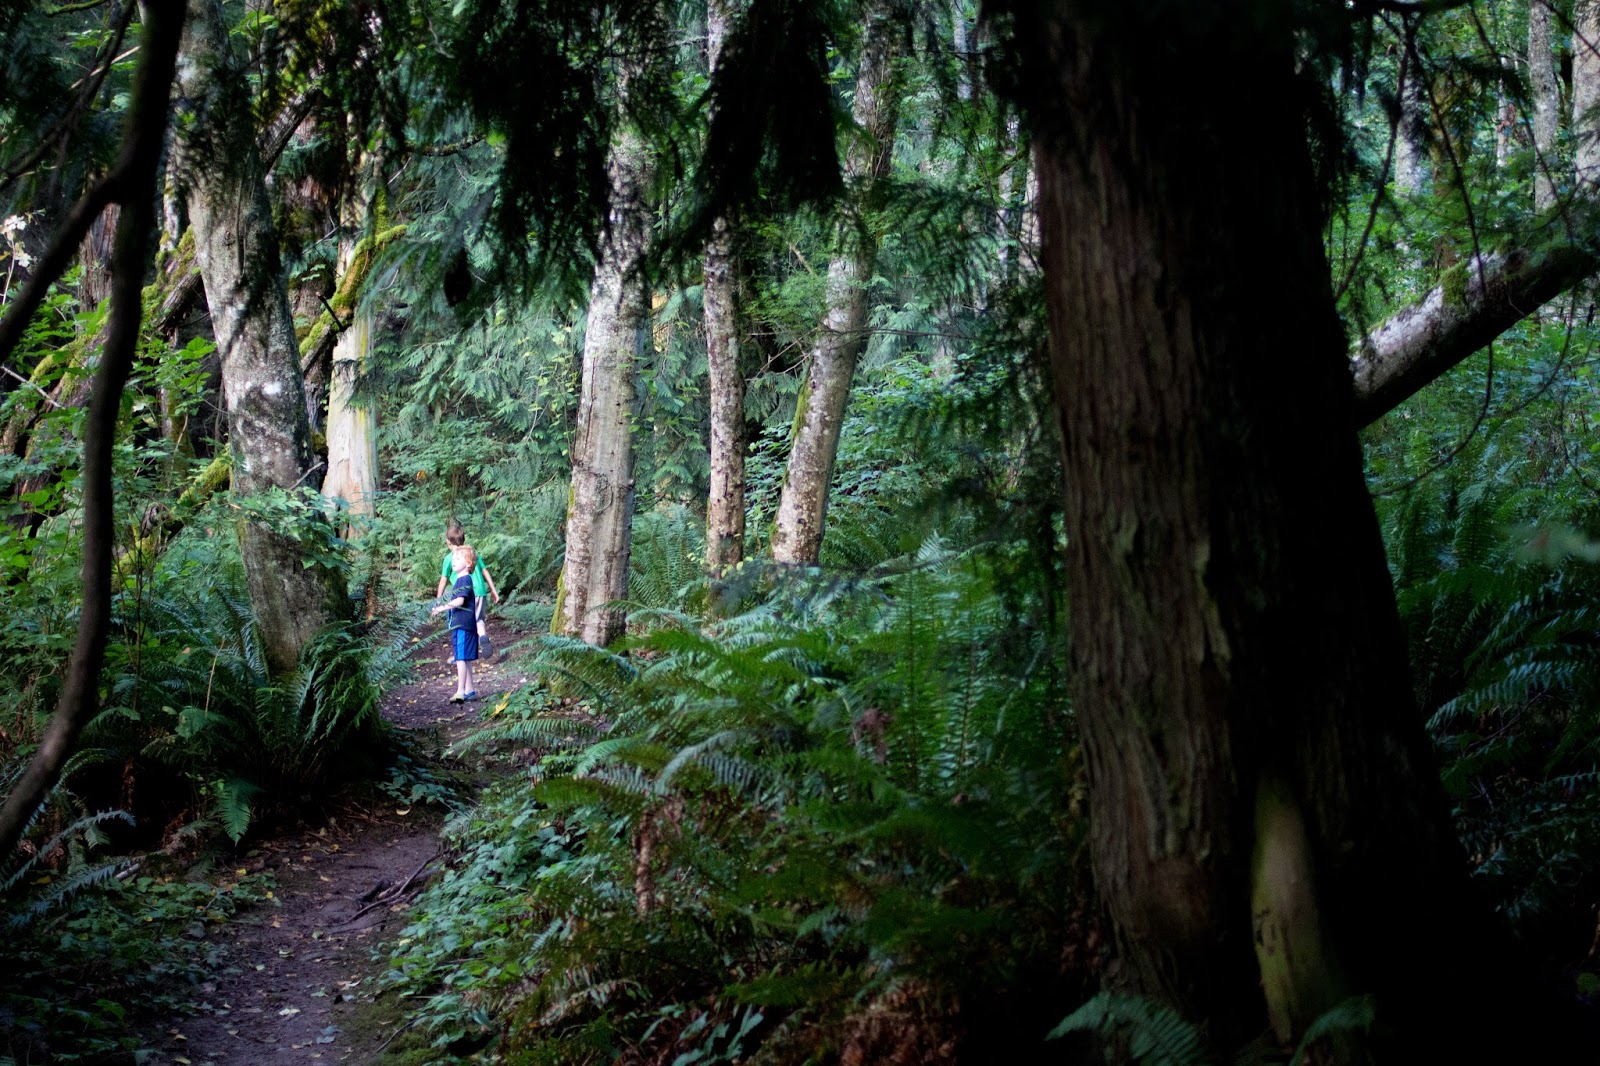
(1156, 1034)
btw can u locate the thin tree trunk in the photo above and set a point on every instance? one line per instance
(600, 505)
(819, 414)
(352, 429)
(1586, 94)
(133, 185)
(237, 251)
(1268, 831)
(725, 502)
(1410, 170)
(1546, 104)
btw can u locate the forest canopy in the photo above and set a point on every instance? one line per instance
(1007, 530)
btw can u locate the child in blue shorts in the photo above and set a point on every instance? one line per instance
(463, 621)
(482, 583)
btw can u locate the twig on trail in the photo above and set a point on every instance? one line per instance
(403, 1027)
(389, 896)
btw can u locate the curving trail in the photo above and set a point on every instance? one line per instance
(297, 985)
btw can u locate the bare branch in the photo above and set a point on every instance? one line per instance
(135, 188)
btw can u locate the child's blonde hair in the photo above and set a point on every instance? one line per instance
(463, 558)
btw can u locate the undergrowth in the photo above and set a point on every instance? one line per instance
(774, 835)
(128, 945)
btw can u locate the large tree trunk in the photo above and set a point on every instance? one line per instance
(803, 505)
(1268, 831)
(725, 502)
(1410, 151)
(600, 506)
(352, 441)
(1546, 104)
(237, 251)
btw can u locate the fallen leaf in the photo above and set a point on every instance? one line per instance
(288, 1012)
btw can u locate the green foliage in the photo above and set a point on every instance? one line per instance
(1507, 666)
(775, 817)
(1154, 1035)
(193, 695)
(1134, 1029)
(108, 949)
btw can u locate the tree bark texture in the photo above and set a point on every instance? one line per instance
(1265, 813)
(1546, 92)
(819, 414)
(1586, 94)
(236, 248)
(95, 255)
(725, 515)
(133, 185)
(594, 574)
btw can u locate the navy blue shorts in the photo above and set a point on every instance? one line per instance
(466, 644)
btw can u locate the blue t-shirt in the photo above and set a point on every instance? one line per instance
(462, 617)
(480, 584)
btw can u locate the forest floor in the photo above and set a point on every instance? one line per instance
(298, 984)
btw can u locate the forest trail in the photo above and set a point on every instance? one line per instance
(295, 986)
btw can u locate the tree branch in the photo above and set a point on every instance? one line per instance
(136, 190)
(1475, 302)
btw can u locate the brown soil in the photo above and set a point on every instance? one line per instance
(299, 973)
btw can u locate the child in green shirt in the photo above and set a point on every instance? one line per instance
(482, 583)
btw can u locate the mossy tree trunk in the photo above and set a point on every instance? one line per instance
(594, 574)
(236, 248)
(803, 504)
(1268, 830)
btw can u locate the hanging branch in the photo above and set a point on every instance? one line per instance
(133, 185)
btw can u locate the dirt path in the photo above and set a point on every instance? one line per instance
(298, 972)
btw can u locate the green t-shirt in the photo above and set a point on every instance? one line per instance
(480, 587)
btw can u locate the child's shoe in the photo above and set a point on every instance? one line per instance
(459, 698)
(470, 696)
